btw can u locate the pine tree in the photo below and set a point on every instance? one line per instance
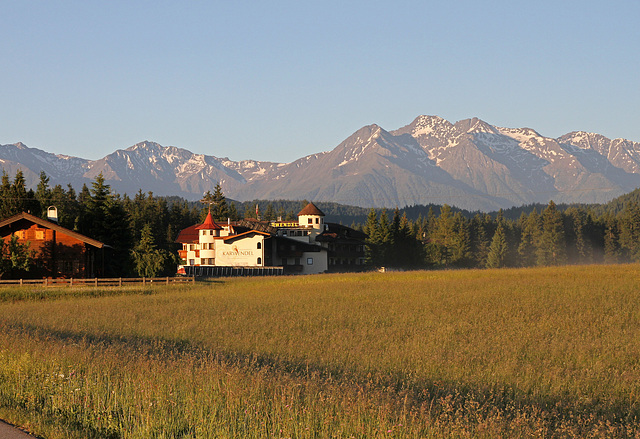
(371, 247)
(384, 238)
(611, 237)
(219, 209)
(106, 220)
(551, 249)
(269, 213)
(629, 239)
(148, 260)
(18, 199)
(441, 237)
(460, 242)
(579, 248)
(43, 195)
(233, 212)
(530, 232)
(480, 238)
(499, 248)
(5, 194)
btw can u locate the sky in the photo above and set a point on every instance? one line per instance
(281, 80)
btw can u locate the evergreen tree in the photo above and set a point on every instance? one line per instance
(17, 200)
(441, 237)
(269, 213)
(384, 238)
(372, 255)
(408, 249)
(148, 260)
(233, 212)
(529, 235)
(480, 242)
(43, 195)
(460, 242)
(579, 247)
(5, 195)
(219, 209)
(499, 249)
(611, 237)
(629, 239)
(551, 249)
(106, 220)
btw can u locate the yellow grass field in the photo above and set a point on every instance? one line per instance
(510, 353)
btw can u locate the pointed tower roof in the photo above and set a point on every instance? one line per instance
(311, 209)
(209, 224)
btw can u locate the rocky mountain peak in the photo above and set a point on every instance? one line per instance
(470, 164)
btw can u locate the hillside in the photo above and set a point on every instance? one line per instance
(470, 164)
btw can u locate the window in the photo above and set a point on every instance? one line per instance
(259, 261)
(310, 221)
(192, 262)
(309, 261)
(259, 246)
(317, 220)
(40, 234)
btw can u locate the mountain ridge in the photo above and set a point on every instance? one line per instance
(470, 164)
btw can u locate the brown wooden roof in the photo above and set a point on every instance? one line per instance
(50, 225)
(311, 209)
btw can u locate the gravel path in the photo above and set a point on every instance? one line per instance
(10, 432)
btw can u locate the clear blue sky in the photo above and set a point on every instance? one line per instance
(283, 79)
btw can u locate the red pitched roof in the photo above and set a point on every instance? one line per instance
(209, 224)
(311, 209)
(188, 235)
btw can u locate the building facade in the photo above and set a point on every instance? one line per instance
(57, 252)
(306, 246)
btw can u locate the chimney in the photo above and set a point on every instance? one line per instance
(52, 214)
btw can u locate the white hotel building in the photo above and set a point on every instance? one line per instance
(303, 247)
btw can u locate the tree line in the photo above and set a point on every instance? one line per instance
(577, 235)
(141, 230)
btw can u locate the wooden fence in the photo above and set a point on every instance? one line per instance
(105, 282)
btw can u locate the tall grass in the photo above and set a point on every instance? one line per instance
(548, 352)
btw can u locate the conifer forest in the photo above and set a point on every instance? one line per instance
(141, 229)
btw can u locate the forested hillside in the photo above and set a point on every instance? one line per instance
(141, 230)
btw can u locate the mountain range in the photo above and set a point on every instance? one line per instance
(470, 164)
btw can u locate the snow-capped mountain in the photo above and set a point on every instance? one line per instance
(470, 164)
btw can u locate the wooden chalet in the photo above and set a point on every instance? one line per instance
(57, 252)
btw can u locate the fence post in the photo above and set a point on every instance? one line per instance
(96, 282)
(144, 281)
(20, 282)
(167, 280)
(119, 281)
(46, 282)
(70, 281)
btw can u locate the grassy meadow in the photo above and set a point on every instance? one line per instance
(510, 353)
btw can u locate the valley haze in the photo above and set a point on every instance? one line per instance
(470, 164)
